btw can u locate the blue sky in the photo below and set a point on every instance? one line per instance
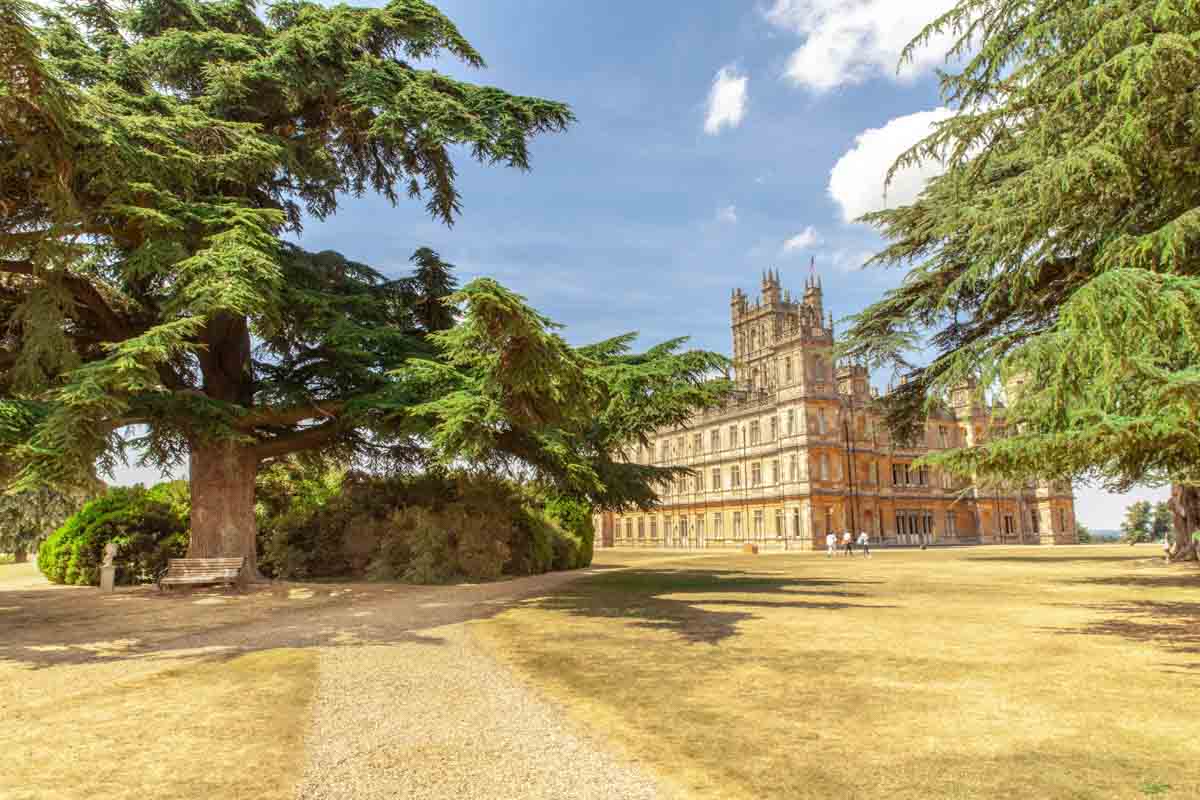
(714, 140)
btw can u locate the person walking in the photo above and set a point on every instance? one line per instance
(830, 544)
(848, 542)
(864, 542)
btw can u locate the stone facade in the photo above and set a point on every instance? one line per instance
(799, 451)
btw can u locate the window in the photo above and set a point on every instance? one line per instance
(791, 418)
(821, 421)
(947, 481)
(754, 432)
(942, 434)
(667, 522)
(796, 523)
(716, 478)
(662, 451)
(697, 444)
(733, 439)
(628, 529)
(775, 471)
(717, 525)
(758, 524)
(715, 440)
(654, 527)
(698, 482)
(824, 467)
(641, 527)
(774, 428)
(779, 522)
(1036, 523)
(794, 468)
(755, 474)
(897, 473)
(735, 476)
(679, 447)
(1008, 524)
(923, 476)
(787, 370)
(951, 524)
(737, 524)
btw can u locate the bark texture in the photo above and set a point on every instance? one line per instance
(1185, 505)
(222, 487)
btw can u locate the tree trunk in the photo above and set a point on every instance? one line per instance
(1185, 505)
(20, 553)
(223, 523)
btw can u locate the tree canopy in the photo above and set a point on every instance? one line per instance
(154, 160)
(1057, 254)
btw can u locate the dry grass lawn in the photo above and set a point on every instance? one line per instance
(119, 696)
(965, 673)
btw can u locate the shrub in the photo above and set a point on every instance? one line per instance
(316, 522)
(574, 518)
(146, 525)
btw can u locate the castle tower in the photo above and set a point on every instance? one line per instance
(771, 291)
(775, 336)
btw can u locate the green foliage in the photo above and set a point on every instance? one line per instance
(148, 527)
(1136, 527)
(574, 518)
(30, 516)
(317, 521)
(1061, 246)
(1082, 534)
(1162, 523)
(152, 158)
(509, 389)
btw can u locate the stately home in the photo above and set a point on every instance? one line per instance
(800, 450)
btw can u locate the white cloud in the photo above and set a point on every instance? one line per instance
(727, 214)
(802, 240)
(726, 100)
(857, 180)
(850, 41)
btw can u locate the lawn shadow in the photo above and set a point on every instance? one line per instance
(1171, 626)
(1142, 581)
(651, 598)
(1035, 559)
(51, 626)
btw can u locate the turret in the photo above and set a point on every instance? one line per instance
(771, 292)
(812, 291)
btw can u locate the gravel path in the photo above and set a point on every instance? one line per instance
(431, 715)
(439, 718)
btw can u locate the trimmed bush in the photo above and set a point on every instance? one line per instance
(148, 527)
(430, 528)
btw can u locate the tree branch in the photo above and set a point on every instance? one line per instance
(305, 439)
(290, 416)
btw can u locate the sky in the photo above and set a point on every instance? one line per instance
(714, 140)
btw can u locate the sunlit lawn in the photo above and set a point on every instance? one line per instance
(967, 673)
(104, 696)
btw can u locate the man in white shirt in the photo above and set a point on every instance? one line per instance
(848, 542)
(864, 542)
(830, 544)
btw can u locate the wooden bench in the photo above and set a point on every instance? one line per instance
(197, 571)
